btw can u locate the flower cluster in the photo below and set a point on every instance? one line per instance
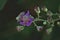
(25, 19)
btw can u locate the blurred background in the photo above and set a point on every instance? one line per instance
(9, 9)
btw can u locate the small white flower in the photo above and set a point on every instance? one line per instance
(49, 13)
(44, 9)
(17, 18)
(58, 23)
(49, 30)
(19, 28)
(44, 22)
(39, 28)
(59, 16)
(37, 10)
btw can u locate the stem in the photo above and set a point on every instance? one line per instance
(39, 19)
(34, 24)
(38, 15)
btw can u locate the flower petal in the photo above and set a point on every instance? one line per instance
(30, 21)
(25, 19)
(20, 28)
(39, 28)
(22, 23)
(28, 13)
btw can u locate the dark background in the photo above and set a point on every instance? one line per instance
(12, 9)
